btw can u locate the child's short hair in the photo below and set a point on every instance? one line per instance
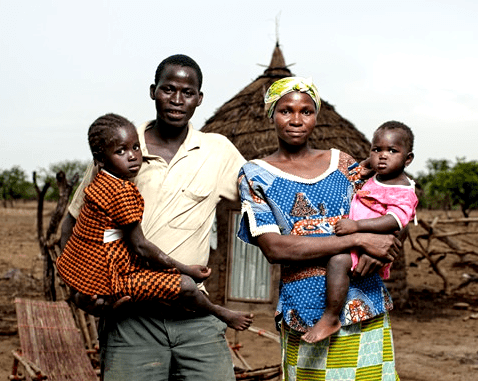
(179, 60)
(394, 125)
(100, 133)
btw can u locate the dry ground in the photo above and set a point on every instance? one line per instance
(433, 341)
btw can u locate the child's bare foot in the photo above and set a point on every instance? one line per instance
(238, 320)
(322, 329)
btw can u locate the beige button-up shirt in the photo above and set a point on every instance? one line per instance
(181, 197)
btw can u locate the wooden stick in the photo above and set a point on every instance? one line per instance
(32, 369)
(93, 331)
(234, 349)
(84, 329)
(257, 372)
(425, 252)
(432, 230)
(455, 220)
(267, 334)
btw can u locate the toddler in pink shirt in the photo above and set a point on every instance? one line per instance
(385, 204)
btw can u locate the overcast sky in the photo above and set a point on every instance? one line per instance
(64, 63)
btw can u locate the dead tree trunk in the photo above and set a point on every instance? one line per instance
(49, 242)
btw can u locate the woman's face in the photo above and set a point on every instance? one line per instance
(294, 118)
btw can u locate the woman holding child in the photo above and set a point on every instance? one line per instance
(291, 201)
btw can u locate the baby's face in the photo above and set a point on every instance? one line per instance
(389, 153)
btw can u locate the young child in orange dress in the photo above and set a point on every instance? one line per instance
(385, 204)
(108, 254)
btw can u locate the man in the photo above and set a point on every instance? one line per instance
(184, 175)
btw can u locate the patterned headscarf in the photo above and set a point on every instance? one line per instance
(287, 85)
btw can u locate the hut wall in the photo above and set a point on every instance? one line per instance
(216, 284)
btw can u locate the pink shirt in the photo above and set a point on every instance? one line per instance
(376, 199)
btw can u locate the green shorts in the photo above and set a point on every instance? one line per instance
(157, 349)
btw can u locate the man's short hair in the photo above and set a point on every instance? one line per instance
(179, 60)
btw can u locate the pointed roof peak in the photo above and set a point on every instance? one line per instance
(277, 67)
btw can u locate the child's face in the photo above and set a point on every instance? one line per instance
(123, 157)
(389, 153)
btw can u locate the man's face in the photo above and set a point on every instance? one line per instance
(176, 95)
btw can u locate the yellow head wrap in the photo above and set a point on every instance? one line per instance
(287, 85)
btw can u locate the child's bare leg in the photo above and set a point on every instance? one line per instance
(338, 282)
(198, 301)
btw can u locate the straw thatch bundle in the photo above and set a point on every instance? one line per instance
(244, 121)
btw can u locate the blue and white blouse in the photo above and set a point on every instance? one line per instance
(277, 202)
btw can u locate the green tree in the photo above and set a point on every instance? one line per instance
(431, 197)
(14, 185)
(457, 185)
(69, 167)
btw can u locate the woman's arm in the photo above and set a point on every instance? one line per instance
(287, 249)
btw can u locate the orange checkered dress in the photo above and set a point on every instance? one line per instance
(94, 267)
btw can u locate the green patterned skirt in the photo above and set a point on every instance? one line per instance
(361, 352)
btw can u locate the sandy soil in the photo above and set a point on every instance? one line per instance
(433, 340)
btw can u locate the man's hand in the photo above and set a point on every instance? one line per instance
(345, 226)
(95, 305)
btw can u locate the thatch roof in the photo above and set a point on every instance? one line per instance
(244, 121)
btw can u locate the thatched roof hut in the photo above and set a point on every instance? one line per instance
(244, 121)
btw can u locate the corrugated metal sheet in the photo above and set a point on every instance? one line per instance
(250, 271)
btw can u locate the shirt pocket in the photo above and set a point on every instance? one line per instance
(192, 210)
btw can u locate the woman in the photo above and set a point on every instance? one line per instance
(290, 202)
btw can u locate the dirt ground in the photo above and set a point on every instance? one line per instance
(433, 340)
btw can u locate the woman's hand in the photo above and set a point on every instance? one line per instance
(95, 305)
(198, 273)
(367, 265)
(385, 247)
